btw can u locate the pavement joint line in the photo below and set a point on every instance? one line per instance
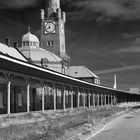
(106, 126)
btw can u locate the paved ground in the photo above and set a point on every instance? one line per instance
(126, 128)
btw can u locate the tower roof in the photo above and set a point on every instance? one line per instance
(30, 37)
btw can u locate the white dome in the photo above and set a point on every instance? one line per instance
(30, 40)
(30, 37)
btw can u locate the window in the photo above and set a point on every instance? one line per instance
(23, 43)
(1, 100)
(49, 43)
(19, 99)
(34, 44)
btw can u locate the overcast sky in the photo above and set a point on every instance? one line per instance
(103, 35)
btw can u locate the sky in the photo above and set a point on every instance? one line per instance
(103, 35)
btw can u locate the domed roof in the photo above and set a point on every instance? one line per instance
(37, 54)
(29, 37)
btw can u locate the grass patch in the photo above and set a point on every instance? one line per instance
(51, 127)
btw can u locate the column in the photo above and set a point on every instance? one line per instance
(89, 100)
(64, 105)
(115, 100)
(54, 97)
(94, 100)
(43, 99)
(84, 102)
(108, 99)
(8, 91)
(71, 99)
(105, 99)
(78, 99)
(28, 98)
(111, 100)
(101, 100)
(98, 96)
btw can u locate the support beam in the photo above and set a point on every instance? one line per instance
(54, 99)
(111, 100)
(101, 100)
(93, 100)
(43, 99)
(8, 77)
(84, 99)
(8, 91)
(105, 100)
(28, 81)
(64, 100)
(54, 96)
(89, 100)
(108, 100)
(78, 99)
(71, 99)
(98, 100)
(28, 98)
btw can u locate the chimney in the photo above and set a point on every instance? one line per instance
(15, 44)
(7, 42)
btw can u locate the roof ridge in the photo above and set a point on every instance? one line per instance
(90, 72)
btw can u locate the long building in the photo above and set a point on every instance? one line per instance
(36, 76)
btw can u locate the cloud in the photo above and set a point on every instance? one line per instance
(6, 4)
(135, 49)
(122, 9)
(125, 68)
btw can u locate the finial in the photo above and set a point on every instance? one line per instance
(28, 29)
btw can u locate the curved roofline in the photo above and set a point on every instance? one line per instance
(3, 56)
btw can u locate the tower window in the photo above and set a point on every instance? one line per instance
(49, 43)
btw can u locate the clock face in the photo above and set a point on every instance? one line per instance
(49, 27)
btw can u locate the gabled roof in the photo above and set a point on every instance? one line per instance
(81, 72)
(11, 52)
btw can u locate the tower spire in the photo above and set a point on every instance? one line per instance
(115, 82)
(54, 5)
(29, 29)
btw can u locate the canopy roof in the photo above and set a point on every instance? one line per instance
(11, 52)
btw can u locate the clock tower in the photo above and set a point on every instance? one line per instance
(53, 31)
